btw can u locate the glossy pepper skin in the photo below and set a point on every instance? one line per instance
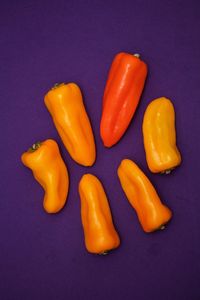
(49, 170)
(65, 104)
(141, 194)
(159, 136)
(99, 231)
(123, 89)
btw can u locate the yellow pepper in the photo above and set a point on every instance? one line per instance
(141, 194)
(99, 231)
(65, 104)
(159, 136)
(49, 170)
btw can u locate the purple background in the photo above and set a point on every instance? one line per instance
(42, 42)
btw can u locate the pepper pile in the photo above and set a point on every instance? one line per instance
(122, 93)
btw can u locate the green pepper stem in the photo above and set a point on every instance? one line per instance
(166, 172)
(104, 253)
(162, 227)
(57, 85)
(34, 147)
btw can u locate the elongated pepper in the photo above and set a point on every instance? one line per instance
(159, 136)
(65, 104)
(141, 194)
(122, 93)
(99, 231)
(50, 171)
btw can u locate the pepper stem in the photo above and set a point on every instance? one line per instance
(136, 55)
(104, 252)
(57, 85)
(167, 171)
(34, 147)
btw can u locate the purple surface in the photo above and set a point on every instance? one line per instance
(43, 42)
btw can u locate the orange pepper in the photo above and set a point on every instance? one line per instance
(49, 170)
(65, 104)
(99, 231)
(141, 194)
(121, 96)
(159, 136)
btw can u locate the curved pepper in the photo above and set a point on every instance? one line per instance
(65, 104)
(121, 96)
(49, 170)
(141, 194)
(99, 231)
(159, 136)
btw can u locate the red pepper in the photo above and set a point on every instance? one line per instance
(121, 96)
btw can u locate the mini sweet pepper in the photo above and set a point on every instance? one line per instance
(49, 169)
(99, 231)
(159, 136)
(122, 93)
(65, 104)
(141, 194)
